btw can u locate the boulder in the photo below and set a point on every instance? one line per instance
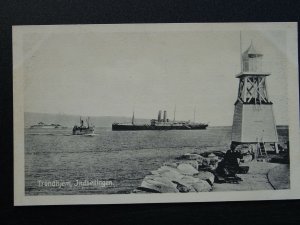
(183, 188)
(189, 180)
(182, 175)
(187, 169)
(139, 191)
(202, 186)
(169, 172)
(247, 158)
(157, 178)
(194, 184)
(207, 176)
(210, 161)
(193, 163)
(158, 184)
(185, 184)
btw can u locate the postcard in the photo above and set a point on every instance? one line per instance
(155, 113)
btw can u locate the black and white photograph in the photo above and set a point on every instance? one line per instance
(141, 113)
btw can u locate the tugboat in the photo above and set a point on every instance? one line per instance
(87, 130)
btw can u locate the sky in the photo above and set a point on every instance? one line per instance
(107, 71)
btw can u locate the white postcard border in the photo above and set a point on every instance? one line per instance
(293, 108)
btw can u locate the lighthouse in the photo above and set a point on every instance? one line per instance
(253, 120)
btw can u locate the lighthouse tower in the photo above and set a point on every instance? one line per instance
(253, 120)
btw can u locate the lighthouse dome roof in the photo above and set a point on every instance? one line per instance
(251, 52)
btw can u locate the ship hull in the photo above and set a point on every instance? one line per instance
(43, 127)
(199, 127)
(125, 127)
(87, 131)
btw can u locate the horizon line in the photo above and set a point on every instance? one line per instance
(130, 117)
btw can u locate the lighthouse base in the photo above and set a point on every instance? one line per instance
(254, 123)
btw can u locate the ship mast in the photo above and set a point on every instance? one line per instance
(174, 113)
(88, 121)
(194, 114)
(132, 121)
(81, 122)
(241, 54)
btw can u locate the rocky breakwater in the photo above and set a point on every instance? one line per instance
(189, 173)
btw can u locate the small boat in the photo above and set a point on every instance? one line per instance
(46, 126)
(87, 130)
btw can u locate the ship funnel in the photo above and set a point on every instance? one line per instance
(165, 116)
(159, 116)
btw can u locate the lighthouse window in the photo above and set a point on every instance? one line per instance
(252, 65)
(246, 65)
(259, 64)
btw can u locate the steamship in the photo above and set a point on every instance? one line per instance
(82, 129)
(159, 124)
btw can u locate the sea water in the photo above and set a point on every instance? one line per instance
(58, 163)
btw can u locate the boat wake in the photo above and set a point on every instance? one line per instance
(90, 135)
(53, 134)
(50, 134)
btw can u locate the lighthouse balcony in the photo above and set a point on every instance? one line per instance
(249, 73)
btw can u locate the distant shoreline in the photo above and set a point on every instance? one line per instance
(66, 120)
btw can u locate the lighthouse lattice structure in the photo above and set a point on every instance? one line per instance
(253, 120)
